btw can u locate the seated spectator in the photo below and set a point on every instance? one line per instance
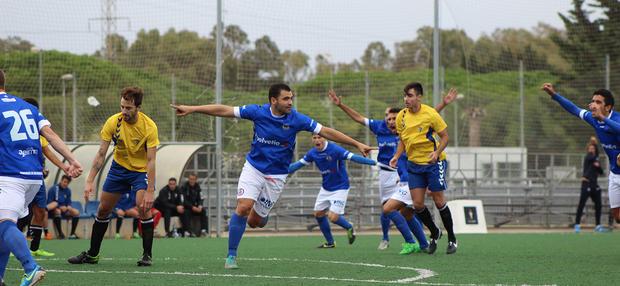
(168, 203)
(59, 205)
(126, 207)
(193, 206)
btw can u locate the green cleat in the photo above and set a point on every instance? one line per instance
(231, 262)
(409, 248)
(136, 235)
(34, 277)
(42, 253)
(351, 234)
(117, 236)
(83, 258)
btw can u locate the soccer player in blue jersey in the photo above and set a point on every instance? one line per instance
(276, 125)
(21, 175)
(332, 199)
(392, 183)
(135, 140)
(606, 124)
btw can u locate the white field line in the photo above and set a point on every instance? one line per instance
(422, 273)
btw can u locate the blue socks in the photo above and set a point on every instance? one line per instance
(13, 240)
(325, 229)
(418, 231)
(4, 259)
(343, 222)
(236, 228)
(385, 226)
(402, 226)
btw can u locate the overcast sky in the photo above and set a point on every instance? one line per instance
(341, 29)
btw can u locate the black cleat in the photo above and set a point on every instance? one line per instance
(327, 245)
(451, 247)
(432, 246)
(83, 258)
(145, 261)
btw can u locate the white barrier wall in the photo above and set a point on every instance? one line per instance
(468, 216)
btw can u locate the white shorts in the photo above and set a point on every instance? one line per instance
(263, 189)
(614, 190)
(388, 184)
(15, 196)
(335, 201)
(403, 194)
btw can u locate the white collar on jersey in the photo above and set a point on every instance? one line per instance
(610, 113)
(2, 92)
(274, 114)
(324, 148)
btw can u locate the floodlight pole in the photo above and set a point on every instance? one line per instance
(436, 86)
(218, 120)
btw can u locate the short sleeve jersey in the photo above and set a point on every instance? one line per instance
(331, 163)
(131, 140)
(20, 147)
(416, 130)
(273, 141)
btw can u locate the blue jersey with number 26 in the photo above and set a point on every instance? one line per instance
(20, 147)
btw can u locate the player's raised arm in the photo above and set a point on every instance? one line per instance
(293, 167)
(210, 109)
(337, 136)
(565, 103)
(75, 168)
(356, 116)
(449, 98)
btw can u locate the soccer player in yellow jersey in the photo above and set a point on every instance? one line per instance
(133, 170)
(416, 126)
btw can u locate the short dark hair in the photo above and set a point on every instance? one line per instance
(65, 177)
(172, 179)
(1, 79)
(607, 95)
(416, 86)
(32, 101)
(192, 174)
(275, 89)
(394, 110)
(134, 94)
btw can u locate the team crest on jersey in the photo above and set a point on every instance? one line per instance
(240, 192)
(285, 126)
(420, 129)
(328, 158)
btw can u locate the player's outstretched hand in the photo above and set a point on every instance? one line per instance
(334, 98)
(394, 162)
(182, 110)
(548, 88)
(75, 169)
(365, 149)
(450, 97)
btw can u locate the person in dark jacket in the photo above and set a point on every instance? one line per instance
(589, 187)
(193, 204)
(168, 202)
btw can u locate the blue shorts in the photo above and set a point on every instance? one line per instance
(40, 199)
(431, 176)
(121, 180)
(124, 206)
